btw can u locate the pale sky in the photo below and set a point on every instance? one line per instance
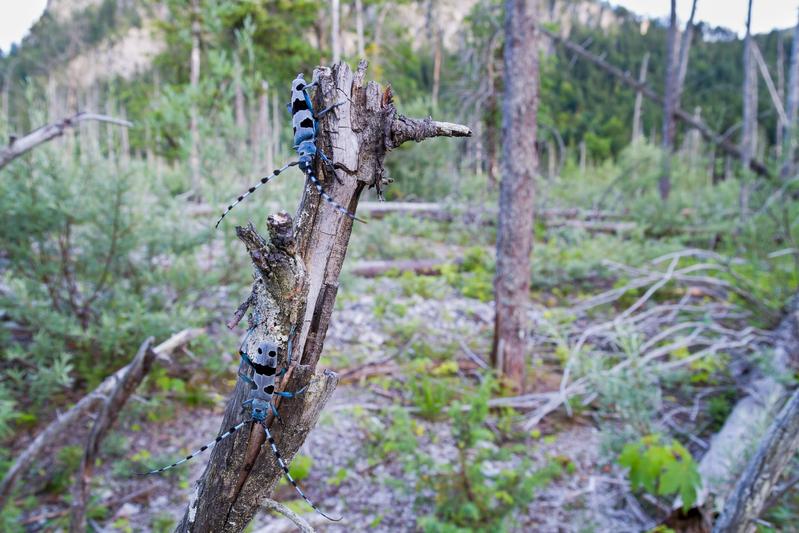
(17, 16)
(766, 14)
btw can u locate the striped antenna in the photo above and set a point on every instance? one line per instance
(211, 444)
(291, 479)
(326, 197)
(254, 188)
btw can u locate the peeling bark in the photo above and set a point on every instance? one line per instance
(296, 274)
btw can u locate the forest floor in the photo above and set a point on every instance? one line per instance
(346, 477)
(610, 318)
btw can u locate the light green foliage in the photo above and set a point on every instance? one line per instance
(300, 467)
(662, 468)
(480, 490)
(474, 276)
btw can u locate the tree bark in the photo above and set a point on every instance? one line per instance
(639, 100)
(749, 124)
(296, 271)
(194, 84)
(517, 190)
(791, 109)
(669, 105)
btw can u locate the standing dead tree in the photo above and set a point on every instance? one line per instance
(517, 190)
(669, 104)
(296, 272)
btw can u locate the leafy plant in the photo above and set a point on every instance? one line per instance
(662, 468)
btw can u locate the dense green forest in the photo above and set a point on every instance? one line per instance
(657, 328)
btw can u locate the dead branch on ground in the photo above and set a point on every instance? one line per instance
(86, 405)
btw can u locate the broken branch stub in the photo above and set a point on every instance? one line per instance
(296, 275)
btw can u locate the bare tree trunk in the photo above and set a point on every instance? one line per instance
(772, 89)
(194, 84)
(685, 49)
(296, 271)
(639, 100)
(781, 93)
(583, 157)
(669, 105)
(517, 190)
(436, 68)
(335, 30)
(238, 89)
(359, 35)
(749, 126)
(276, 147)
(124, 140)
(791, 105)
(265, 144)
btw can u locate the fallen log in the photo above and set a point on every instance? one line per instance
(470, 213)
(724, 461)
(86, 405)
(753, 490)
(421, 267)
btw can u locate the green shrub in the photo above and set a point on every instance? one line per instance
(662, 468)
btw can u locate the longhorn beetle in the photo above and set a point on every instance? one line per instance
(259, 403)
(306, 125)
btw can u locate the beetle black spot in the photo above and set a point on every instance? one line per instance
(260, 351)
(306, 123)
(272, 353)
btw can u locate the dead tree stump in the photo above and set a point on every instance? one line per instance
(296, 275)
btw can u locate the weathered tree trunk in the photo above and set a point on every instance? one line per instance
(359, 35)
(791, 108)
(639, 100)
(296, 271)
(517, 190)
(685, 49)
(669, 104)
(265, 144)
(238, 95)
(194, 83)
(776, 100)
(749, 125)
(335, 30)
